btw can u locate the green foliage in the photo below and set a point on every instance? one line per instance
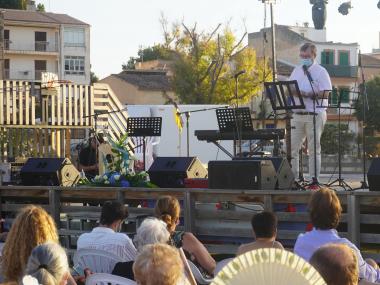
(329, 139)
(373, 114)
(147, 54)
(119, 172)
(372, 146)
(204, 64)
(93, 78)
(41, 7)
(13, 4)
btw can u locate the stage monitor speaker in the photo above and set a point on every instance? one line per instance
(285, 176)
(49, 172)
(170, 172)
(242, 174)
(373, 175)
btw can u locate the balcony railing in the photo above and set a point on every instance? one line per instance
(6, 74)
(341, 70)
(38, 46)
(38, 74)
(6, 44)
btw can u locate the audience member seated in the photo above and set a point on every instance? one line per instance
(48, 264)
(264, 226)
(151, 231)
(168, 209)
(159, 264)
(337, 264)
(106, 236)
(325, 212)
(32, 227)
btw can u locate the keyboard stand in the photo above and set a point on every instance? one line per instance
(222, 148)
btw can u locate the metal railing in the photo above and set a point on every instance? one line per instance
(39, 46)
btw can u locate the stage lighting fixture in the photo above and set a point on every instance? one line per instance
(344, 9)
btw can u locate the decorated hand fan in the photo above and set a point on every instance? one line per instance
(268, 266)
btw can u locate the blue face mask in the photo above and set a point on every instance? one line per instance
(306, 61)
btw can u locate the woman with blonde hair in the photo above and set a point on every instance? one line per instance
(48, 264)
(159, 264)
(168, 209)
(33, 226)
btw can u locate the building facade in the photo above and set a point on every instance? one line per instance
(37, 42)
(141, 87)
(339, 59)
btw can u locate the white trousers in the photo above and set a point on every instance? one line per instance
(302, 127)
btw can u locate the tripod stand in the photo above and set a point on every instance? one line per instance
(187, 115)
(340, 181)
(363, 93)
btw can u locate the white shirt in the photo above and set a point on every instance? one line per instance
(321, 82)
(103, 238)
(309, 242)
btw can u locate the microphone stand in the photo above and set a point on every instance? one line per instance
(363, 91)
(315, 178)
(238, 119)
(187, 115)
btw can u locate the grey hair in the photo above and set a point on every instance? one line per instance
(151, 231)
(48, 264)
(309, 46)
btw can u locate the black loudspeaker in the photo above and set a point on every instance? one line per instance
(242, 174)
(285, 176)
(170, 172)
(373, 175)
(49, 172)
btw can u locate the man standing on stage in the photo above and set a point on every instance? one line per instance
(302, 122)
(88, 160)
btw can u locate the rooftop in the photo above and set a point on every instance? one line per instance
(40, 17)
(299, 37)
(153, 80)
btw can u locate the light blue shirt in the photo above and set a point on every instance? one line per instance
(309, 242)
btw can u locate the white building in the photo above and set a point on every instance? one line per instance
(36, 42)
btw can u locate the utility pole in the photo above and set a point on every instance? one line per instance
(2, 46)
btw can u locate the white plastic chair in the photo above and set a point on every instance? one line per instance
(221, 264)
(98, 261)
(106, 279)
(198, 275)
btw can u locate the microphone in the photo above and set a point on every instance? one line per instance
(304, 67)
(236, 75)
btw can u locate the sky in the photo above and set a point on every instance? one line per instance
(120, 27)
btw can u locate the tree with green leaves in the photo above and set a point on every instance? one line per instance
(372, 121)
(13, 4)
(41, 7)
(330, 142)
(205, 62)
(93, 77)
(147, 54)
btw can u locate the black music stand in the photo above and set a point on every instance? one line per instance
(144, 127)
(337, 105)
(282, 95)
(235, 120)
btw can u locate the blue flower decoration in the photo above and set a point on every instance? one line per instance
(125, 183)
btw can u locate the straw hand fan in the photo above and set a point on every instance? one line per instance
(268, 266)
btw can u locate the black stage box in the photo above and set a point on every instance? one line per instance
(242, 174)
(170, 172)
(49, 172)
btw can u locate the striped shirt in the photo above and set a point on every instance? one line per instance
(103, 238)
(309, 242)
